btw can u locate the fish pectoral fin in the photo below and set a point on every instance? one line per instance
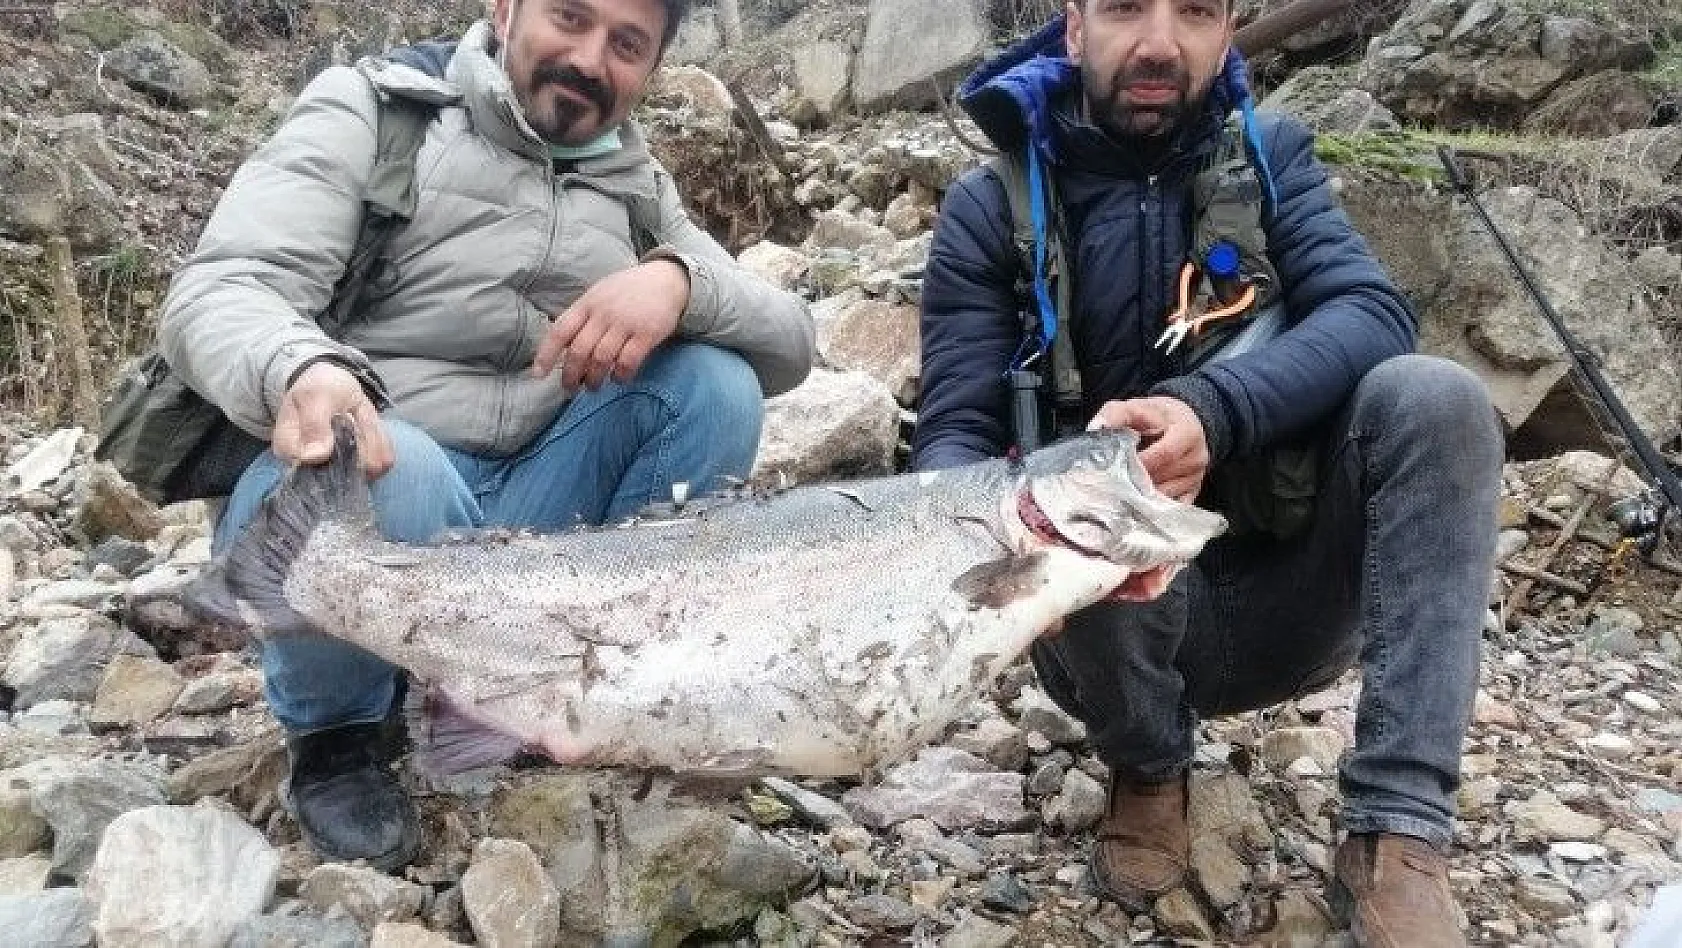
(450, 735)
(996, 584)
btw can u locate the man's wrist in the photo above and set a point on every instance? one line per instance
(1204, 400)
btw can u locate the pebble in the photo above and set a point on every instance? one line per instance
(1643, 702)
(509, 898)
(1004, 892)
(879, 912)
(1610, 746)
(1578, 851)
(977, 932)
(365, 894)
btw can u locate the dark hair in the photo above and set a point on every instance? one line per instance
(676, 10)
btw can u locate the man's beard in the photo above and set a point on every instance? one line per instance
(1156, 123)
(557, 122)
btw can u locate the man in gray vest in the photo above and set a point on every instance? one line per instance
(1360, 479)
(557, 342)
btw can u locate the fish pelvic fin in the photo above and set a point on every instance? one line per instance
(449, 735)
(246, 588)
(995, 584)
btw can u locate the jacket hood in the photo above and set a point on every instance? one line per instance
(1012, 97)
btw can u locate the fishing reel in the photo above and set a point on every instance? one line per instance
(1641, 517)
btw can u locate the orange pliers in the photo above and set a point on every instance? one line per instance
(1189, 318)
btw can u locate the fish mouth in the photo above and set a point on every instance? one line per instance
(1042, 528)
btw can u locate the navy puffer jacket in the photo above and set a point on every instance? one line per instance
(1129, 229)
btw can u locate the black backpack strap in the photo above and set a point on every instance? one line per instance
(388, 203)
(1063, 373)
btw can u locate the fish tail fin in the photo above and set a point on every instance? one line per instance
(449, 736)
(246, 587)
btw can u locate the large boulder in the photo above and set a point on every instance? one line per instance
(835, 425)
(152, 64)
(822, 69)
(1485, 319)
(1466, 63)
(908, 43)
(1598, 106)
(1327, 100)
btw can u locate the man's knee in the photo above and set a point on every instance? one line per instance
(709, 386)
(422, 494)
(1429, 396)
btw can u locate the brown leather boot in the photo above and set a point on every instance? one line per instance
(1392, 891)
(1143, 844)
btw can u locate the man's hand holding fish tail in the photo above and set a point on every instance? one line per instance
(1360, 479)
(545, 235)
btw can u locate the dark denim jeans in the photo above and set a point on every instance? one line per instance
(1394, 570)
(692, 414)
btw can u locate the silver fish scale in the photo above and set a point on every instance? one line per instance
(814, 633)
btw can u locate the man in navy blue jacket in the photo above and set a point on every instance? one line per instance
(1120, 103)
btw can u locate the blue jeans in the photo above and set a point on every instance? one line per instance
(692, 415)
(1393, 571)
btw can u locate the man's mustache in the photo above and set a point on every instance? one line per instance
(1153, 73)
(593, 90)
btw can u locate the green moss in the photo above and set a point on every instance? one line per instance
(1396, 152)
(104, 27)
(1666, 70)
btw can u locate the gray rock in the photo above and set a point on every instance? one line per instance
(62, 658)
(219, 691)
(81, 593)
(1487, 322)
(699, 38)
(1004, 892)
(686, 869)
(995, 740)
(1543, 818)
(1657, 802)
(839, 230)
(1281, 746)
(121, 554)
(953, 789)
(44, 463)
(54, 918)
(22, 829)
(408, 935)
(1080, 804)
(18, 533)
(57, 716)
(1047, 777)
(298, 931)
(244, 771)
(1658, 268)
(1224, 806)
(881, 912)
(1035, 711)
(24, 875)
(822, 69)
(509, 899)
(1545, 897)
(814, 808)
(1327, 100)
(877, 338)
(367, 895)
(79, 798)
(780, 266)
(151, 64)
(556, 816)
(977, 932)
(909, 42)
(1597, 106)
(1221, 874)
(179, 876)
(834, 425)
(134, 691)
(109, 506)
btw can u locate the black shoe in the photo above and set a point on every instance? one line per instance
(348, 803)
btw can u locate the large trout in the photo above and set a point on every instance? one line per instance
(824, 630)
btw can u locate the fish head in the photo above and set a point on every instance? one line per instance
(1092, 494)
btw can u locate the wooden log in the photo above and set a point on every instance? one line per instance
(72, 334)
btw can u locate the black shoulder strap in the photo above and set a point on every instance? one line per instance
(1012, 172)
(387, 205)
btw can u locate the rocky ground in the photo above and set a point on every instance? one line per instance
(138, 795)
(138, 773)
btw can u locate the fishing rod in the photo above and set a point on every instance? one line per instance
(1639, 517)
